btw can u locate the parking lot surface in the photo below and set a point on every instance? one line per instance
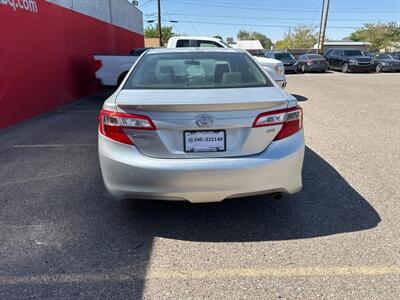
(338, 238)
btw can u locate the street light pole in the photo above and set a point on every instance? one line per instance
(159, 23)
(320, 27)
(325, 23)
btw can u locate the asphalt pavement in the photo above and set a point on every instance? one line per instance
(339, 238)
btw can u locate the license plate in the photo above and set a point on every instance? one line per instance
(204, 141)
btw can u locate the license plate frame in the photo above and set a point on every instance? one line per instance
(187, 133)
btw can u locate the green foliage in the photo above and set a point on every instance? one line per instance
(152, 32)
(380, 35)
(254, 35)
(302, 36)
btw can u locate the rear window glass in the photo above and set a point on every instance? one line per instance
(315, 56)
(195, 70)
(280, 56)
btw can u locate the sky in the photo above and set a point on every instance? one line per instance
(271, 17)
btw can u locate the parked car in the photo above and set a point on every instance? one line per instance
(312, 63)
(386, 62)
(274, 67)
(288, 60)
(200, 124)
(112, 69)
(350, 60)
(328, 53)
(395, 54)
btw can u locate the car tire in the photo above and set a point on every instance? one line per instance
(345, 68)
(121, 78)
(378, 68)
(303, 68)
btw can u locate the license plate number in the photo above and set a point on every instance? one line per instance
(205, 141)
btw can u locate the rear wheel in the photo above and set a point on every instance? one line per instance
(345, 68)
(378, 68)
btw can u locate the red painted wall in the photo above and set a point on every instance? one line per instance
(46, 57)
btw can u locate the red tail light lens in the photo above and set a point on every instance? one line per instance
(112, 125)
(291, 120)
(309, 62)
(97, 65)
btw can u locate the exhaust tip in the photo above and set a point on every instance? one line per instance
(277, 196)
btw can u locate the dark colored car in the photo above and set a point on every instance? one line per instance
(350, 60)
(312, 63)
(328, 53)
(395, 54)
(386, 62)
(289, 62)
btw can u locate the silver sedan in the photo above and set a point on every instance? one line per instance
(201, 125)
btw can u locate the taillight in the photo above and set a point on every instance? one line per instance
(112, 125)
(309, 62)
(97, 65)
(291, 120)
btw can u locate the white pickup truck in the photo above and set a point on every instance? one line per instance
(112, 69)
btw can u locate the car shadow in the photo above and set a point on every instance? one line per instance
(326, 205)
(85, 246)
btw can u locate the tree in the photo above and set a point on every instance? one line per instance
(380, 35)
(152, 32)
(254, 35)
(302, 36)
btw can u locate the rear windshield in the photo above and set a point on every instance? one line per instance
(280, 56)
(196, 70)
(315, 56)
(353, 53)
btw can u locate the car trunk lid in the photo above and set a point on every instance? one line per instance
(181, 116)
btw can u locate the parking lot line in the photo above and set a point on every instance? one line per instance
(317, 271)
(39, 178)
(52, 145)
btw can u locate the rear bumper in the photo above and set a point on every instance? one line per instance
(390, 68)
(129, 174)
(319, 68)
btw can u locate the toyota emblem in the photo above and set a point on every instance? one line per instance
(204, 121)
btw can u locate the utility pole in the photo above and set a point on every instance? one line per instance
(325, 23)
(159, 23)
(320, 27)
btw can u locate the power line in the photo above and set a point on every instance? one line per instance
(260, 25)
(278, 18)
(262, 8)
